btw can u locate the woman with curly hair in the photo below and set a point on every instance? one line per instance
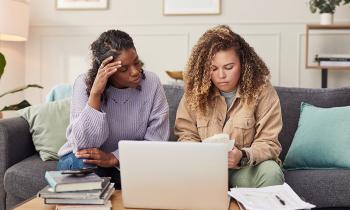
(227, 90)
(115, 100)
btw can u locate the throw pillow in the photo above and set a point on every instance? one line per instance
(48, 123)
(59, 92)
(322, 139)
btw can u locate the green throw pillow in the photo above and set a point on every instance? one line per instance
(48, 123)
(322, 140)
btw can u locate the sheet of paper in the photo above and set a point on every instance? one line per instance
(221, 138)
(277, 197)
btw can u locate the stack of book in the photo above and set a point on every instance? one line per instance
(333, 60)
(77, 192)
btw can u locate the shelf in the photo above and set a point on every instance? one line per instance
(321, 27)
(323, 68)
(329, 67)
(328, 27)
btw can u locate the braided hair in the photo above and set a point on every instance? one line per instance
(109, 43)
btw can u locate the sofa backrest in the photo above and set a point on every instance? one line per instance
(290, 99)
(173, 94)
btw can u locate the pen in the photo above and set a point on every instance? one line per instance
(280, 200)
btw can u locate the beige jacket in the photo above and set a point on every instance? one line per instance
(255, 127)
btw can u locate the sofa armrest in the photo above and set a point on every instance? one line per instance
(15, 145)
(16, 142)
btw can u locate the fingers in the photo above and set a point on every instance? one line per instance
(112, 71)
(109, 69)
(92, 153)
(106, 70)
(86, 151)
(95, 162)
(231, 159)
(95, 150)
(97, 157)
(106, 61)
(112, 64)
(86, 156)
(231, 163)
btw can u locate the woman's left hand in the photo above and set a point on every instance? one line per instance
(234, 156)
(97, 157)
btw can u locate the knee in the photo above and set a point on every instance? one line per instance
(69, 162)
(269, 173)
(64, 164)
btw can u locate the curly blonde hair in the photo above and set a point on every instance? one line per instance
(199, 89)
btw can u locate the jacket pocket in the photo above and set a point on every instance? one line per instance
(245, 130)
(202, 127)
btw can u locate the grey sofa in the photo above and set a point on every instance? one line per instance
(22, 171)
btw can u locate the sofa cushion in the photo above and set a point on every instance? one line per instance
(321, 140)
(322, 187)
(26, 178)
(59, 92)
(48, 123)
(173, 94)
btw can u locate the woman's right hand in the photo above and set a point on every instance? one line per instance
(106, 70)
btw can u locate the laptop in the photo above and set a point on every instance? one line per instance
(174, 175)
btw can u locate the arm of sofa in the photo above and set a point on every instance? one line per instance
(15, 145)
(15, 142)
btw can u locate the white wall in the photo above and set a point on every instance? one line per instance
(13, 76)
(58, 46)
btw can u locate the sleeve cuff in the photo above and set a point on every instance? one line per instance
(251, 162)
(116, 153)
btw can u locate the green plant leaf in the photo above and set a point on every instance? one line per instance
(2, 64)
(15, 107)
(20, 89)
(326, 6)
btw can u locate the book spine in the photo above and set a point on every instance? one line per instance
(332, 55)
(75, 201)
(50, 181)
(333, 59)
(335, 63)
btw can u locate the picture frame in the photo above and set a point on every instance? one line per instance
(81, 4)
(191, 7)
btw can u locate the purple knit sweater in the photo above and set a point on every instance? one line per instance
(128, 114)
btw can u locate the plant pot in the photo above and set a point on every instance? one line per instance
(326, 18)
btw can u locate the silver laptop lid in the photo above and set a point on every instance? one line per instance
(174, 175)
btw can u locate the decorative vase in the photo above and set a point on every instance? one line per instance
(326, 18)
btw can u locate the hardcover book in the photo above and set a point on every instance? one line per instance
(65, 182)
(48, 192)
(103, 200)
(106, 206)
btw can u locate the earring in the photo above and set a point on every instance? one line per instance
(143, 76)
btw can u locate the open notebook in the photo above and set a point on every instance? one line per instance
(277, 197)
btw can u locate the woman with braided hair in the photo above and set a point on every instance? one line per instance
(227, 90)
(115, 100)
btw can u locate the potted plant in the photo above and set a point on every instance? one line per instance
(326, 8)
(23, 103)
